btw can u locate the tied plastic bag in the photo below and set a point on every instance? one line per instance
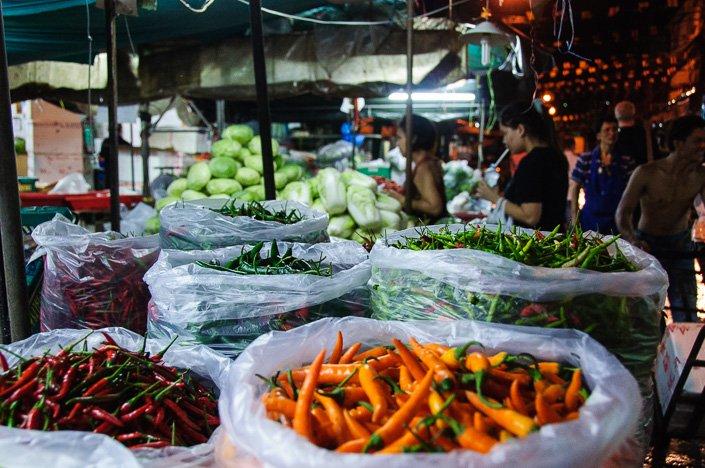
(195, 226)
(71, 184)
(93, 280)
(68, 449)
(227, 311)
(133, 222)
(603, 430)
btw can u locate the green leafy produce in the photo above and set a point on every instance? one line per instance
(198, 176)
(280, 180)
(223, 167)
(298, 191)
(318, 205)
(177, 187)
(244, 152)
(226, 148)
(342, 226)
(247, 177)
(255, 145)
(258, 211)
(358, 179)
(257, 191)
(361, 206)
(387, 203)
(162, 202)
(190, 195)
(332, 191)
(313, 184)
(255, 162)
(240, 133)
(245, 196)
(390, 219)
(293, 171)
(220, 196)
(223, 186)
(152, 225)
(252, 263)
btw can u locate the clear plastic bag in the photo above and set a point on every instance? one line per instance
(93, 280)
(26, 448)
(195, 226)
(227, 311)
(603, 430)
(133, 222)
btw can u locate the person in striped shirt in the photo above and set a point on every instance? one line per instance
(603, 174)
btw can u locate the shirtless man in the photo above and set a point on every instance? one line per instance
(665, 190)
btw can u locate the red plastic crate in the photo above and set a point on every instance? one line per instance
(42, 199)
(98, 202)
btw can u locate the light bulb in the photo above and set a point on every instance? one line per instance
(484, 52)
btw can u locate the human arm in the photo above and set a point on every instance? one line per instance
(429, 202)
(526, 213)
(574, 194)
(625, 211)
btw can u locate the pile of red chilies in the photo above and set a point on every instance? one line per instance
(128, 395)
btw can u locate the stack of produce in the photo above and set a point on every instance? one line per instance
(226, 298)
(212, 224)
(144, 394)
(357, 211)
(93, 280)
(459, 177)
(603, 286)
(430, 387)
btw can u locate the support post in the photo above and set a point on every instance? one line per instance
(146, 122)
(265, 127)
(13, 290)
(220, 116)
(132, 156)
(409, 130)
(112, 163)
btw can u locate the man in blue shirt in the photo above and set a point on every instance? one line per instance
(603, 175)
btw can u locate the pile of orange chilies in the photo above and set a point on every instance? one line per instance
(422, 397)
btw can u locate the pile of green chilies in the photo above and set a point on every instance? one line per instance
(256, 210)
(554, 250)
(252, 263)
(130, 396)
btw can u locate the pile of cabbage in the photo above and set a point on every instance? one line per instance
(356, 210)
(234, 171)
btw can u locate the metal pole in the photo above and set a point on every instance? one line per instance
(112, 163)
(220, 115)
(409, 130)
(481, 137)
(265, 128)
(5, 337)
(14, 288)
(132, 156)
(146, 121)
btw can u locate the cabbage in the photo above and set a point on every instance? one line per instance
(220, 195)
(387, 203)
(361, 206)
(257, 192)
(152, 225)
(298, 191)
(190, 195)
(254, 161)
(244, 152)
(247, 177)
(280, 180)
(332, 191)
(226, 147)
(198, 176)
(177, 187)
(223, 167)
(359, 179)
(318, 205)
(314, 184)
(278, 160)
(341, 226)
(293, 172)
(390, 219)
(362, 235)
(162, 202)
(240, 133)
(223, 186)
(244, 196)
(255, 145)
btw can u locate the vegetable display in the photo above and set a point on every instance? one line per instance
(258, 211)
(131, 396)
(422, 397)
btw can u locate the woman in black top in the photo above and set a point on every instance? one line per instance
(536, 195)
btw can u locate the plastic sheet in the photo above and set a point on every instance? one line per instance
(227, 311)
(93, 280)
(602, 432)
(69, 449)
(195, 226)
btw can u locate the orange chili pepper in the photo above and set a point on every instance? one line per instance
(353, 394)
(572, 416)
(497, 359)
(514, 422)
(554, 379)
(375, 392)
(375, 352)
(347, 357)
(352, 446)
(323, 428)
(435, 404)
(444, 377)
(540, 385)
(524, 379)
(337, 349)
(372, 426)
(405, 379)
(335, 415)
(330, 374)
(573, 400)
(361, 414)
(302, 416)
(553, 393)
(401, 399)
(505, 436)
(476, 440)
(280, 404)
(477, 362)
(409, 359)
(544, 412)
(516, 398)
(357, 430)
(549, 367)
(478, 422)
(437, 348)
(406, 440)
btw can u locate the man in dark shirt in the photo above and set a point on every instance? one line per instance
(632, 139)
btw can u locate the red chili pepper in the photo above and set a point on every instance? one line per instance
(132, 436)
(93, 389)
(28, 374)
(20, 392)
(180, 415)
(136, 413)
(109, 339)
(156, 444)
(193, 434)
(159, 418)
(103, 428)
(3, 363)
(74, 411)
(54, 407)
(32, 421)
(103, 415)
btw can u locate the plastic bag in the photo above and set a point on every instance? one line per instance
(195, 226)
(93, 280)
(620, 310)
(67, 449)
(71, 184)
(606, 420)
(227, 311)
(133, 222)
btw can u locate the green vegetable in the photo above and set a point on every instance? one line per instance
(332, 191)
(177, 187)
(361, 206)
(293, 171)
(162, 202)
(354, 178)
(387, 203)
(318, 205)
(247, 177)
(245, 196)
(198, 176)
(258, 211)
(280, 180)
(314, 185)
(226, 148)
(240, 133)
(255, 162)
(390, 219)
(152, 225)
(257, 191)
(220, 196)
(223, 167)
(255, 145)
(342, 226)
(223, 186)
(298, 191)
(244, 152)
(190, 195)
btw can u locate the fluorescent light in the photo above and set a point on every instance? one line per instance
(454, 97)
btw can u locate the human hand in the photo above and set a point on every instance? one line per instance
(486, 192)
(395, 195)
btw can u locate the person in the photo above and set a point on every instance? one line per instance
(429, 199)
(665, 190)
(632, 138)
(535, 196)
(100, 174)
(603, 175)
(572, 158)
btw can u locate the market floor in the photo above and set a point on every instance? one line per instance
(683, 453)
